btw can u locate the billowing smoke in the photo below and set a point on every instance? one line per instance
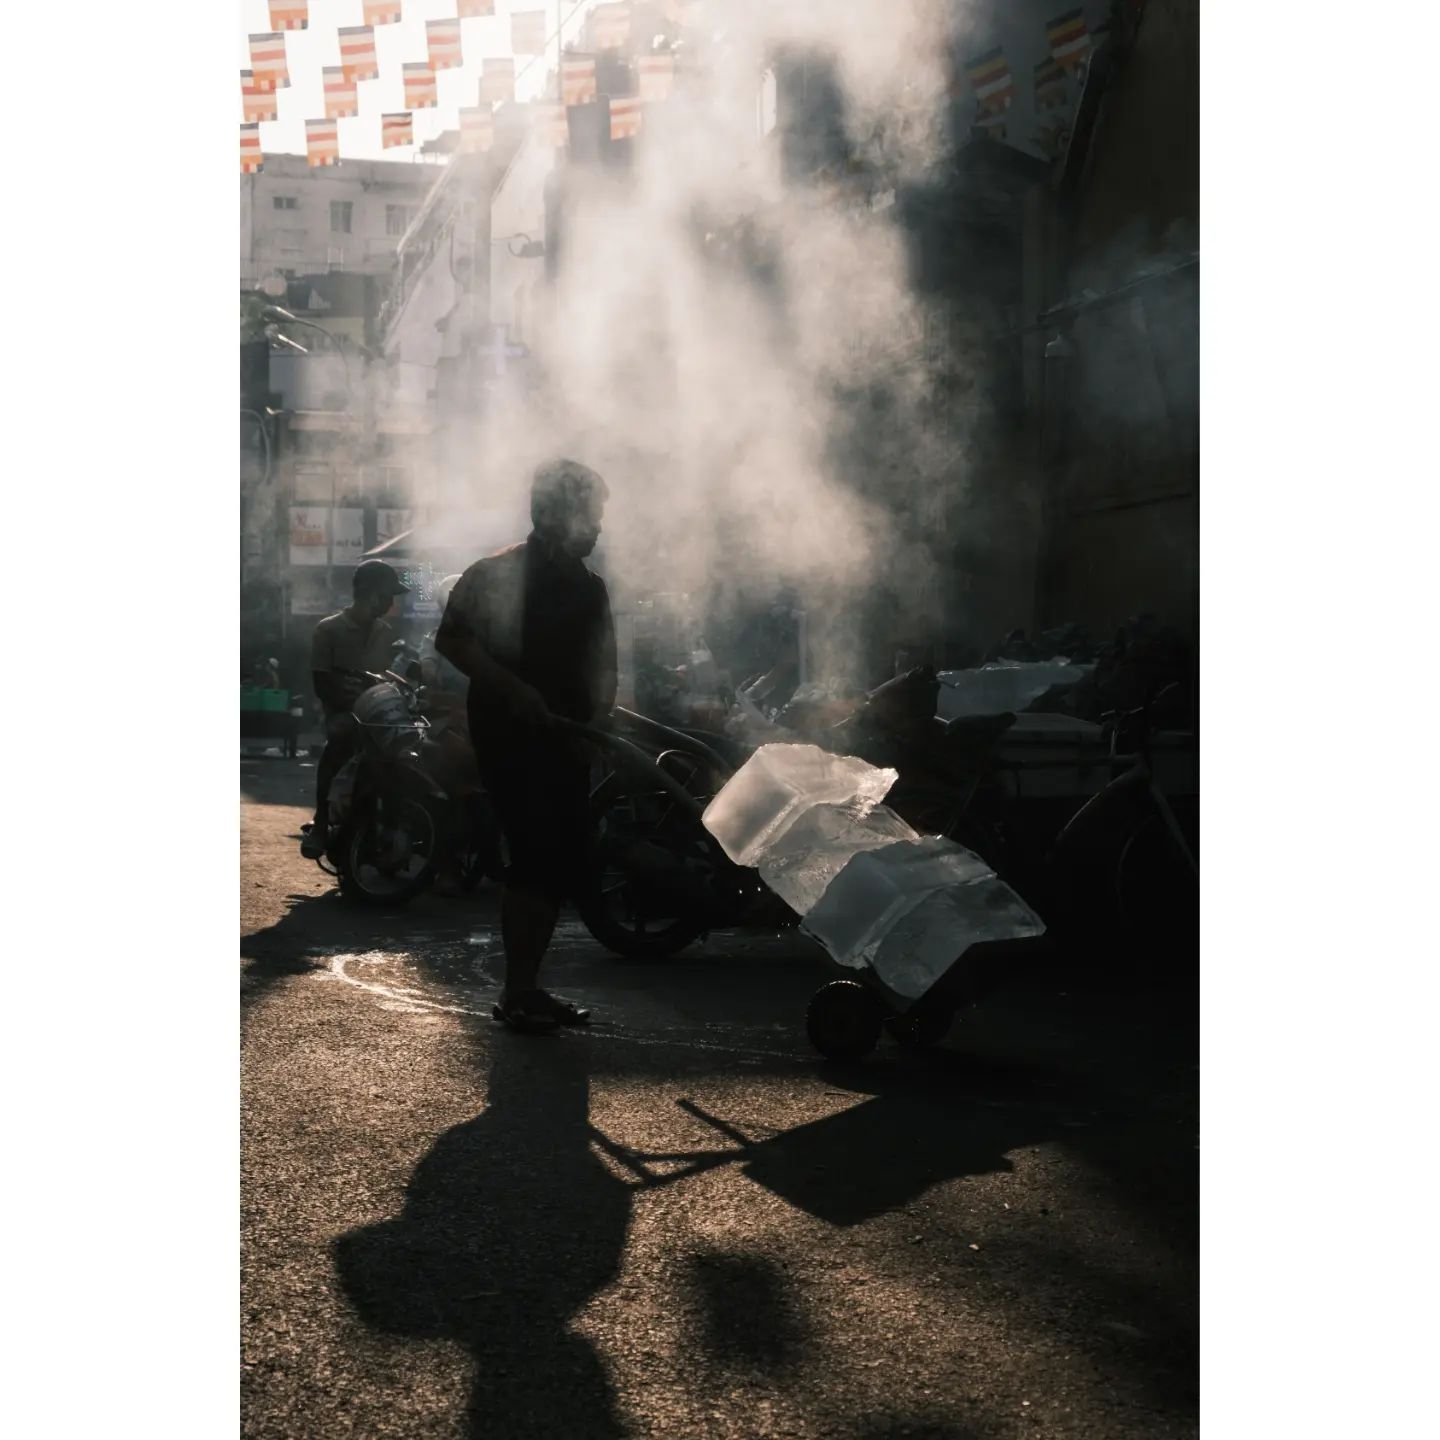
(730, 351)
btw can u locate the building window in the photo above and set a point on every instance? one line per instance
(286, 202)
(397, 219)
(340, 213)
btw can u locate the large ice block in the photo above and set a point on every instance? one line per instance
(911, 910)
(994, 689)
(779, 784)
(819, 845)
(877, 887)
(924, 942)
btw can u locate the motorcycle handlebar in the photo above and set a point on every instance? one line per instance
(639, 761)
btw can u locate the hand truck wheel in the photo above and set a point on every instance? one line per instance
(843, 1020)
(920, 1029)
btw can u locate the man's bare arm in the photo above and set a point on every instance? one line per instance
(608, 662)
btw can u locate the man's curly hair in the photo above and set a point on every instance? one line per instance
(561, 487)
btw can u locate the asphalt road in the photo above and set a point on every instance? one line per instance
(681, 1222)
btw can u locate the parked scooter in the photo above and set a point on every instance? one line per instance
(400, 808)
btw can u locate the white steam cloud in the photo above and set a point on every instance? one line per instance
(714, 341)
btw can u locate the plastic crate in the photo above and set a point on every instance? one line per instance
(250, 697)
(274, 701)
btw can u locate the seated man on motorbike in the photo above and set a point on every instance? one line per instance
(531, 629)
(344, 647)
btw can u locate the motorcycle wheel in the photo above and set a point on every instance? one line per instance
(611, 910)
(389, 859)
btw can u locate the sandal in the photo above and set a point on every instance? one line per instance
(564, 1012)
(527, 1014)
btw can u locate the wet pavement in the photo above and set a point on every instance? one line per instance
(681, 1222)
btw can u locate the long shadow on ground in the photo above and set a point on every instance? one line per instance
(510, 1224)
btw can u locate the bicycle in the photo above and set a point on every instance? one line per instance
(1124, 858)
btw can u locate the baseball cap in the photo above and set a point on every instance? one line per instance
(378, 577)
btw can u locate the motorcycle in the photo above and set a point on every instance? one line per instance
(661, 879)
(400, 809)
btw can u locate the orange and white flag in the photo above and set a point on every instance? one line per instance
(657, 76)
(497, 81)
(267, 61)
(382, 12)
(527, 32)
(251, 156)
(477, 128)
(443, 38)
(421, 92)
(1069, 38)
(357, 52)
(322, 142)
(257, 104)
(289, 14)
(577, 79)
(469, 9)
(396, 129)
(625, 117)
(551, 128)
(610, 26)
(342, 93)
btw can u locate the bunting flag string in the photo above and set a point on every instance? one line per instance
(551, 125)
(477, 128)
(252, 158)
(443, 39)
(527, 32)
(991, 80)
(342, 94)
(289, 14)
(267, 59)
(610, 25)
(257, 104)
(577, 79)
(625, 116)
(1069, 38)
(322, 142)
(396, 129)
(1050, 93)
(497, 80)
(357, 52)
(382, 12)
(657, 76)
(421, 91)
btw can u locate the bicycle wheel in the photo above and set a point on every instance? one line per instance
(1156, 893)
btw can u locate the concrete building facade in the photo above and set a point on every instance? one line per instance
(297, 220)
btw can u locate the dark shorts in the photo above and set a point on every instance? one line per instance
(541, 792)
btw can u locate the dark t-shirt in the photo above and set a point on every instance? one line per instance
(547, 620)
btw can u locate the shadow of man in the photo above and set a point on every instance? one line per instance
(510, 1224)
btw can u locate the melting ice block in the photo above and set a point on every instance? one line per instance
(993, 689)
(910, 910)
(925, 942)
(820, 844)
(777, 785)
